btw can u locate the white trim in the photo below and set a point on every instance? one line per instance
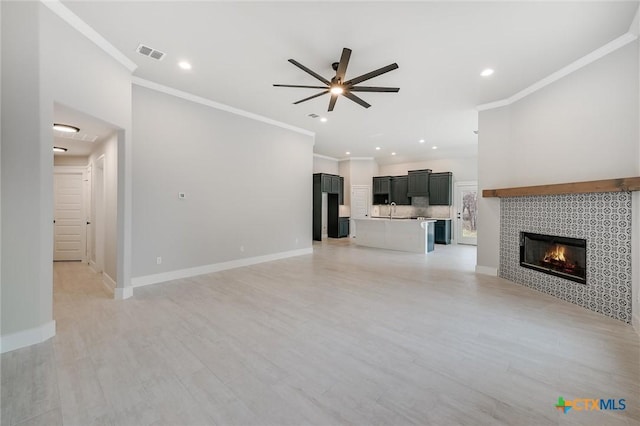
(24, 338)
(486, 270)
(93, 266)
(217, 105)
(108, 281)
(610, 47)
(635, 322)
(357, 158)
(215, 267)
(122, 293)
(69, 169)
(83, 28)
(326, 157)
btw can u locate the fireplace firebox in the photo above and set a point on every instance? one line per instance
(560, 256)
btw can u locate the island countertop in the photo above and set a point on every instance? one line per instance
(412, 235)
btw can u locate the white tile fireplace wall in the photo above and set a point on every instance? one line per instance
(603, 219)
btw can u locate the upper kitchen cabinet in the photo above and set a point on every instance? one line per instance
(399, 188)
(330, 183)
(418, 183)
(440, 189)
(381, 185)
(341, 193)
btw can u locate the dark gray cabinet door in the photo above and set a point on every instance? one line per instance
(440, 189)
(326, 183)
(418, 183)
(399, 189)
(341, 193)
(343, 227)
(335, 185)
(381, 185)
(443, 232)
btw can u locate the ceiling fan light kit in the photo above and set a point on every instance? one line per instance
(338, 86)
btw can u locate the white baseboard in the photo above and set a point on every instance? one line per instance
(486, 270)
(215, 267)
(93, 266)
(635, 322)
(121, 293)
(32, 336)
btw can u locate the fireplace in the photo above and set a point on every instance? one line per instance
(560, 256)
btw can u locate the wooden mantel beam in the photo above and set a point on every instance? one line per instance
(607, 185)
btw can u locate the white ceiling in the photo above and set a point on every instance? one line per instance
(239, 49)
(92, 131)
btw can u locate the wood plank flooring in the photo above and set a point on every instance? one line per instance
(346, 336)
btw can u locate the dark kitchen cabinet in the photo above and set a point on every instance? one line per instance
(341, 193)
(418, 183)
(399, 189)
(332, 185)
(381, 185)
(440, 189)
(442, 230)
(343, 227)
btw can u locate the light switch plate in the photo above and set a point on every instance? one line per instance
(182, 195)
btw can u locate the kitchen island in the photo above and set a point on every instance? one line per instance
(411, 235)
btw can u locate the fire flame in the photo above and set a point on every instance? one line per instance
(555, 253)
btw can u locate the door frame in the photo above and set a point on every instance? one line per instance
(74, 170)
(458, 220)
(98, 203)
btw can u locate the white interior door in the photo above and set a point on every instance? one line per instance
(360, 205)
(466, 212)
(69, 241)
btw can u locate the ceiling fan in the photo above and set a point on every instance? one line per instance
(339, 86)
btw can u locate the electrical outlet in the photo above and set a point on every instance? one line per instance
(158, 260)
(182, 195)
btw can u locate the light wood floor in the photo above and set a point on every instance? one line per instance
(348, 335)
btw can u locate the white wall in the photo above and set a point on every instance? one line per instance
(582, 127)
(109, 150)
(463, 169)
(36, 72)
(248, 186)
(324, 165)
(70, 160)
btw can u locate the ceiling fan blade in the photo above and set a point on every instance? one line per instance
(355, 99)
(373, 89)
(342, 66)
(311, 97)
(332, 101)
(371, 74)
(308, 71)
(303, 87)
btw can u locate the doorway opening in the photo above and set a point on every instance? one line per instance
(85, 199)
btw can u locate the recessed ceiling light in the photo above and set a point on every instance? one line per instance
(421, 141)
(65, 128)
(486, 72)
(59, 149)
(184, 65)
(378, 148)
(336, 90)
(393, 153)
(323, 119)
(348, 153)
(434, 147)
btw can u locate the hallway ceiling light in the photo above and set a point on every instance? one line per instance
(487, 72)
(421, 141)
(65, 128)
(393, 153)
(323, 119)
(59, 149)
(434, 147)
(184, 65)
(378, 148)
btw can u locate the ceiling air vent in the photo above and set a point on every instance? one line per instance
(312, 115)
(148, 51)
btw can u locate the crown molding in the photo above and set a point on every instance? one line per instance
(608, 48)
(217, 105)
(83, 28)
(325, 157)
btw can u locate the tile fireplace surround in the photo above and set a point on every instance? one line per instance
(603, 219)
